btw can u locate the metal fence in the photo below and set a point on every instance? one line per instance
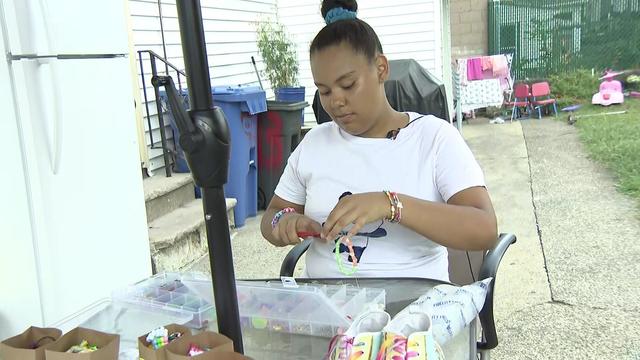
(553, 36)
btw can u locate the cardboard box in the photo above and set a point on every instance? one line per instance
(29, 345)
(218, 355)
(229, 356)
(108, 346)
(218, 344)
(148, 353)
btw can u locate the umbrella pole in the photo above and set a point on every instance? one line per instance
(204, 137)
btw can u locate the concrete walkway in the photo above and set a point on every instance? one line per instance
(570, 287)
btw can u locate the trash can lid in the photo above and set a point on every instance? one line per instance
(286, 106)
(253, 97)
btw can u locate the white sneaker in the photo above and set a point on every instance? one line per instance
(362, 338)
(409, 336)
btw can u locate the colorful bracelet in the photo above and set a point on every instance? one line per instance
(396, 207)
(279, 214)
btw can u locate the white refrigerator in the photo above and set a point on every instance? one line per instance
(72, 214)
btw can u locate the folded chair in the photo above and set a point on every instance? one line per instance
(541, 97)
(465, 267)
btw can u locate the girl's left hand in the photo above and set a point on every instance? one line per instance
(356, 209)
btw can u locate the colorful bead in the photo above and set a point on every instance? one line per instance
(279, 214)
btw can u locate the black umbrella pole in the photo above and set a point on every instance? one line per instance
(207, 150)
(221, 259)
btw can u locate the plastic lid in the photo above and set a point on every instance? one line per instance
(235, 90)
(252, 99)
(286, 106)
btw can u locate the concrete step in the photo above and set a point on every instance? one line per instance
(164, 194)
(178, 238)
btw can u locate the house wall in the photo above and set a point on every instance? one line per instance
(469, 36)
(406, 28)
(230, 33)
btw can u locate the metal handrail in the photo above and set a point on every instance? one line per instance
(156, 55)
(153, 57)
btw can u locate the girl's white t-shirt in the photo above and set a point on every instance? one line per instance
(427, 160)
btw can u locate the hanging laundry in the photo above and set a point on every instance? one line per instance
(462, 70)
(487, 63)
(481, 93)
(474, 69)
(500, 66)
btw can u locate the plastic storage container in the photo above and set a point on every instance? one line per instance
(126, 319)
(318, 310)
(166, 293)
(278, 136)
(241, 105)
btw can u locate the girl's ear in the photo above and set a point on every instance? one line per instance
(382, 67)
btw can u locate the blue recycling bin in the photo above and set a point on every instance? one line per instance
(241, 105)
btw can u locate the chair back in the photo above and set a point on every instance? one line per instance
(521, 91)
(540, 89)
(464, 266)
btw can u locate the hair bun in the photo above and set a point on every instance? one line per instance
(328, 5)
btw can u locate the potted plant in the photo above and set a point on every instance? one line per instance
(281, 61)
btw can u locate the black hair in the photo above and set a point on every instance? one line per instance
(355, 32)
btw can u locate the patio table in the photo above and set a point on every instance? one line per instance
(400, 292)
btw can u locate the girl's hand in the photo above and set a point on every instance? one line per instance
(356, 209)
(290, 224)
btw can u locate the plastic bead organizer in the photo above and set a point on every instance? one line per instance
(310, 309)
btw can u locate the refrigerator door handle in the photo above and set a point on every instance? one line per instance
(55, 149)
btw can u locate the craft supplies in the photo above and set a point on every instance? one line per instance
(160, 337)
(83, 347)
(279, 214)
(309, 309)
(354, 261)
(195, 350)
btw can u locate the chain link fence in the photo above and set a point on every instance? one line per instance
(554, 36)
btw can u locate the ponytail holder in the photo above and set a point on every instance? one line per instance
(339, 13)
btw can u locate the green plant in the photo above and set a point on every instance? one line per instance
(279, 54)
(574, 87)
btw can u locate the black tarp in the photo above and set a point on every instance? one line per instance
(410, 87)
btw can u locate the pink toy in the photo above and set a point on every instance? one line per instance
(610, 91)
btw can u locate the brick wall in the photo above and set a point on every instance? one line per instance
(469, 28)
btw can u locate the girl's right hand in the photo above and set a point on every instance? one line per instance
(290, 224)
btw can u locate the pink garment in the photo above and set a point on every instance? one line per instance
(500, 66)
(487, 63)
(474, 69)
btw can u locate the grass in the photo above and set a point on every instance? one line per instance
(614, 141)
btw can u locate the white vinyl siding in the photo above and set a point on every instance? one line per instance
(408, 29)
(230, 34)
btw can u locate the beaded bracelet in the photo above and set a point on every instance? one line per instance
(279, 214)
(396, 207)
(354, 262)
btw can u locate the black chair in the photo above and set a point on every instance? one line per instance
(465, 267)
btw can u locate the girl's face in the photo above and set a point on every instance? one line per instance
(351, 88)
